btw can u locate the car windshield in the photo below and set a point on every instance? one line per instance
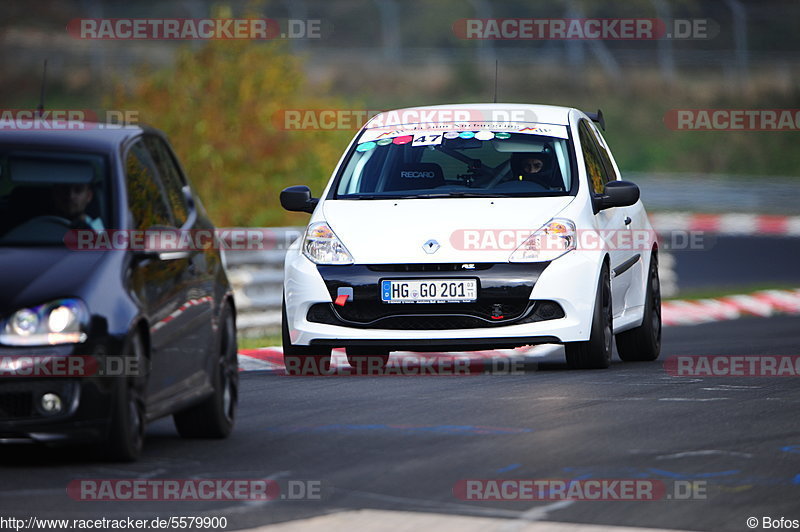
(45, 194)
(526, 160)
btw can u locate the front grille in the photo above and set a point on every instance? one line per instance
(18, 400)
(16, 405)
(394, 318)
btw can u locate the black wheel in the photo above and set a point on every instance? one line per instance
(214, 417)
(302, 359)
(126, 433)
(367, 359)
(644, 342)
(596, 352)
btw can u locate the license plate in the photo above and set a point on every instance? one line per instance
(429, 291)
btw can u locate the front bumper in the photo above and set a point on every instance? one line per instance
(569, 283)
(86, 400)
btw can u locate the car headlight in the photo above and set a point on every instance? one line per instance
(63, 321)
(322, 246)
(556, 237)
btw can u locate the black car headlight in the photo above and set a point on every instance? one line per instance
(63, 321)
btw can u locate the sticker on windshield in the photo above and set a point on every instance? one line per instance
(484, 135)
(466, 130)
(427, 139)
(366, 146)
(384, 142)
(405, 139)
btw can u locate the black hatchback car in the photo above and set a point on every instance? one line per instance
(97, 340)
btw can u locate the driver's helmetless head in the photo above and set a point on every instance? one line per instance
(71, 200)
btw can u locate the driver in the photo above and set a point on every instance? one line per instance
(534, 167)
(70, 202)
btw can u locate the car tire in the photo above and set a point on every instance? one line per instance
(596, 352)
(644, 342)
(302, 359)
(126, 433)
(214, 417)
(367, 359)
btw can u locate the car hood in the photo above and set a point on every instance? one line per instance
(466, 229)
(34, 275)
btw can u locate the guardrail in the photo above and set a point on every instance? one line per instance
(257, 276)
(257, 279)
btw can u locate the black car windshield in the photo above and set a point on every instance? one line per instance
(512, 161)
(45, 194)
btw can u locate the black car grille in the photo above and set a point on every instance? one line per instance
(16, 405)
(429, 317)
(18, 400)
(504, 290)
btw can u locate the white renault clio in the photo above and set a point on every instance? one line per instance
(473, 227)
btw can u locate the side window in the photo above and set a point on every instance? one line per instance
(145, 196)
(591, 158)
(602, 148)
(170, 176)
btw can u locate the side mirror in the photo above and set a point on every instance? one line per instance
(298, 198)
(618, 194)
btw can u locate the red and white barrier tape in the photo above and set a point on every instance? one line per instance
(763, 303)
(727, 224)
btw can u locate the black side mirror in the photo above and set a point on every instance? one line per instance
(618, 194)
(298, 198)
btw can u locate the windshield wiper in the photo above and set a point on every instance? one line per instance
(431, 195)
(464, 195)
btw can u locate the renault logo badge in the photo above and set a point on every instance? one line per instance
(430, 246)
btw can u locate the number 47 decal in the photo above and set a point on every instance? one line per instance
(427, 139)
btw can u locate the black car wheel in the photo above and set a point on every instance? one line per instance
(214, 417)
(596, 352)
(126, 435)
(644, 342)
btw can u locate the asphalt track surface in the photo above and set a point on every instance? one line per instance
(402, 443)
(724, 262)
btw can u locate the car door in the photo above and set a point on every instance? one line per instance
(611, 223)
(158, 279)
(197, 282)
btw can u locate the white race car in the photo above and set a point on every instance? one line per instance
(483, 226)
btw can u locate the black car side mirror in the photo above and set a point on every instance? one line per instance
(617, 194)
(298, 198)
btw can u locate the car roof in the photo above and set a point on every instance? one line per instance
(92, 137)
(544, 114)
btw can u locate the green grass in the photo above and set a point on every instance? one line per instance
(260, 341)
(731, 291)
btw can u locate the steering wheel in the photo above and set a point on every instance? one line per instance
(49, 218)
